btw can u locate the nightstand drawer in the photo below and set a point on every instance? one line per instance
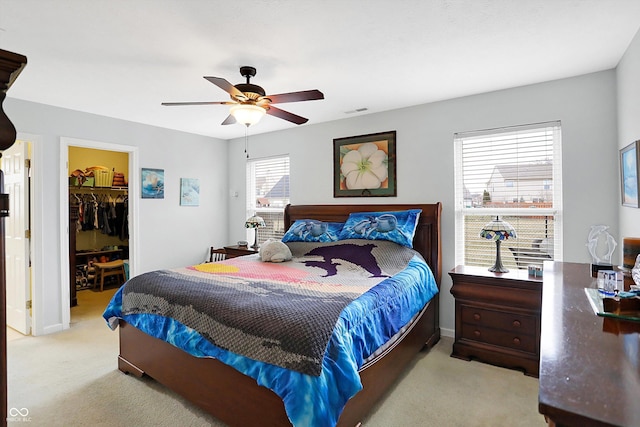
(502, 320)
(506, 339)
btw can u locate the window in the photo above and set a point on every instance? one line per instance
(514, 173)
(268, 194)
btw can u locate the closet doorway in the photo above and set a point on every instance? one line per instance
(98, 217)
(100, 213)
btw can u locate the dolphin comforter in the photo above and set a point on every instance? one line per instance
(302, 328)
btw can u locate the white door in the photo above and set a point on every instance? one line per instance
(16, 184)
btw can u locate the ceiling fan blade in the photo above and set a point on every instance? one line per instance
(230, 120)
(172, 104)
(305, 95)
(227, 87)
(273, 111)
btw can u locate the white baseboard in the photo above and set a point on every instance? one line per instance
(447, 332)
(52, 329)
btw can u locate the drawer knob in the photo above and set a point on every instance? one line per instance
(516, 341)
(476, 333)
(516, 323)
(476, 316)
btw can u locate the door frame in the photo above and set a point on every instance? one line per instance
(134, 223)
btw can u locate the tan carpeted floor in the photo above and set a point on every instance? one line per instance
(71, 379)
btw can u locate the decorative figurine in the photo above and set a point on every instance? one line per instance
(635, 272)
(600, 262)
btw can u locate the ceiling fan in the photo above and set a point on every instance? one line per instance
(249, 101)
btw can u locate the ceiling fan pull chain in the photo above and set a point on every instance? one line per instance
(246, 141)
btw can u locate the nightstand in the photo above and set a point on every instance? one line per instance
(236, 251)
(497, 317)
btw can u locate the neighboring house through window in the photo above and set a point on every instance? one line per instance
(268, 194)
(514, 173)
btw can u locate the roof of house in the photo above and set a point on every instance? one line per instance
(522, 172)
(280, 190)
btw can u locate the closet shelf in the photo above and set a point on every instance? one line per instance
(88, 190)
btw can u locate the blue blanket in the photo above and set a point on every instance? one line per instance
(361, 327)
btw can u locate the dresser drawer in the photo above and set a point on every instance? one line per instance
(502, 320)
(506, 339)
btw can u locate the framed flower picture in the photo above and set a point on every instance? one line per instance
(629, 180)
(365, 165)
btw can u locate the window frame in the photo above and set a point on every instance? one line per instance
(273, 215)
(464, 207)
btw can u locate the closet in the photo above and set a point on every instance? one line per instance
(98, 214)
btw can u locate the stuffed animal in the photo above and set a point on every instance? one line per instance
(274, 251)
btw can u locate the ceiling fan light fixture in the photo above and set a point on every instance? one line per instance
(247, 114)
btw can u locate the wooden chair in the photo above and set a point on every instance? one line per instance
(106, 269)
(217, 254)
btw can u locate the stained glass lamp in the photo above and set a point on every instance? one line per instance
(498, 230)
(255, 222)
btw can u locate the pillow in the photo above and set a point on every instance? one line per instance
(312, 230)
(398, 227)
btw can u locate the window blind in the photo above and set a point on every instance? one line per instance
(514, 173)
(268, 194)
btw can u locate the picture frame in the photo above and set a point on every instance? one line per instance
(375, 178)
(189, 192)
(152, 183)
(629, 179)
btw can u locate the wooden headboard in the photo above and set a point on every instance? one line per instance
(426, 239)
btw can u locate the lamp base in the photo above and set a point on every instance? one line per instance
(498, 267)
(255, 243)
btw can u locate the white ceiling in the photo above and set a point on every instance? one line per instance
(122, 58)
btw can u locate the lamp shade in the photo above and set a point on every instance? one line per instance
(255, 222)
(497, 231)
(247, 114)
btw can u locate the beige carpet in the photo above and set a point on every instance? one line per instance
(70, 379)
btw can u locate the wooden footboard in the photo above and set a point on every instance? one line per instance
(238, 400)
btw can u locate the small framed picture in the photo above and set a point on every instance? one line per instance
(189, 192)
(365, 165)
(629, 181)
(152, 183)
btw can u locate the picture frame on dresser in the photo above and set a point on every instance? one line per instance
(629, 179)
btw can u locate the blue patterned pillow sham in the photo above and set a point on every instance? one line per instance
(398, 227)
(312, 230)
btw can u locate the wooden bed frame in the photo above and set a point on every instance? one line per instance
(237, 399)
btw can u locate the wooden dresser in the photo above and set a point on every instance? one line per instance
(589, 365)
(497, 317)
